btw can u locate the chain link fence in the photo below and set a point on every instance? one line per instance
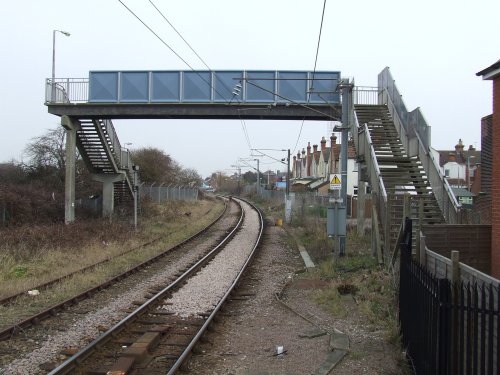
(161, 194)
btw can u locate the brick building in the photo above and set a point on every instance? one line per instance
(493, 144)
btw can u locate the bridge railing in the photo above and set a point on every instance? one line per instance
(415, 135)
(365, 95)
(67, 90)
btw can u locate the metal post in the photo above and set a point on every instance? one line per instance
(346, 87)
(159, 192)
(258, 178)
(53, 91)
(135, 168)
(288, 174)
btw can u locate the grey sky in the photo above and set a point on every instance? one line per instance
(434, 48)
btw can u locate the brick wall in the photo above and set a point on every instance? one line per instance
(472, 241)
(495, 182)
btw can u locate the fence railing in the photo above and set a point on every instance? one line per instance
(161, 194)
(67, 90)
(365, 95)
(448, 327)
(415, 135)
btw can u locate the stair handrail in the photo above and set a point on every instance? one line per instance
(117, 152)
(364, 143)
(438, 181)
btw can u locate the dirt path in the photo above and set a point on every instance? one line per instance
(255, 324)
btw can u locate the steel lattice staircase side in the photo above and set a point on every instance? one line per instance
(101, 156)
(400, 173)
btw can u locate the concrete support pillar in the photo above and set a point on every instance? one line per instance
(360, 209)
(108, 196)
(71, 125)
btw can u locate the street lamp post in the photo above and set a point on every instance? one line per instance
(53, 95)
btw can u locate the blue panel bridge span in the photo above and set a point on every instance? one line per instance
(225, 86)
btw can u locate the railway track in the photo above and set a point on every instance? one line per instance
(159, 335)
(68, 328)
(13, 329)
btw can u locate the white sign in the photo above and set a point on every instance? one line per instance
(335, 182)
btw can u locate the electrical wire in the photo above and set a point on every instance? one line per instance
(314, 72)
(245, 131)
(178, 33)
(155, 34)
(292, 101)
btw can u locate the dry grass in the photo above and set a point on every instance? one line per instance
(31, 256)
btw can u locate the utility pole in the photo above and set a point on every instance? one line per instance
(135, 168)
(288, 175)
(336, 217)
(258, 178)
(346, 88)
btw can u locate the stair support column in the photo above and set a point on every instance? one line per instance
(71, 125)
(108, 191)
(360, 209)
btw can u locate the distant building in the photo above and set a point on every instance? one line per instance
(311, 169)
(461, 167)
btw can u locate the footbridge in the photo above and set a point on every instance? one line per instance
(392, 143)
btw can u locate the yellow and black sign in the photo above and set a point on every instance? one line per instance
(335, 182)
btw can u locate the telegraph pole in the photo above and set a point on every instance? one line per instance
(346, 88)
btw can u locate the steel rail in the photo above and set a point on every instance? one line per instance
(71, 364)
(187, 351)
(8, 332)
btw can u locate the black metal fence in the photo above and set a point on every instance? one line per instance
(447, 328)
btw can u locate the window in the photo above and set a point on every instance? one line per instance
(447, 173)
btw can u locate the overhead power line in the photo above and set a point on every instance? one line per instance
(314, 72)
(155, 34)
(245, 132)
(178, 33)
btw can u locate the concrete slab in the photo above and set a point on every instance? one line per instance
(305, 256)
(339, 341)
(331, 361)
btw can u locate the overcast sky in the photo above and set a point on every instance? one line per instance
(433, 48)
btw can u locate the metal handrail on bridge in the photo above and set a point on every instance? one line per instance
(415, 136)
(68, 90)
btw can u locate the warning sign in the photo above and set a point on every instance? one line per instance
(335, 182)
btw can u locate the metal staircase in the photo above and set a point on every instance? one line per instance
(102, 153)
(394, 173)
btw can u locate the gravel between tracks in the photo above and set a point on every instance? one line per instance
(203, 291)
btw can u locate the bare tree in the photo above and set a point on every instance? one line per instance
(48, 150)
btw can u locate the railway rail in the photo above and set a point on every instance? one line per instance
(159, 335)
(13, 329)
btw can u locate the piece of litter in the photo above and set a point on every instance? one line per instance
(33, 292)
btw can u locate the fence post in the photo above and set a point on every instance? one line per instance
(454, 334)
(445, 341)
(419, 227)
(423, 254)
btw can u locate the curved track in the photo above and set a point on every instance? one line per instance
(10, 331)
(159, 335)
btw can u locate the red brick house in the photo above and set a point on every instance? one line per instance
(493, 73)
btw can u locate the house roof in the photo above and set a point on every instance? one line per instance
(461, 192)
(490, 72)
(460, 156)
(303, 181)
(316, 184)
